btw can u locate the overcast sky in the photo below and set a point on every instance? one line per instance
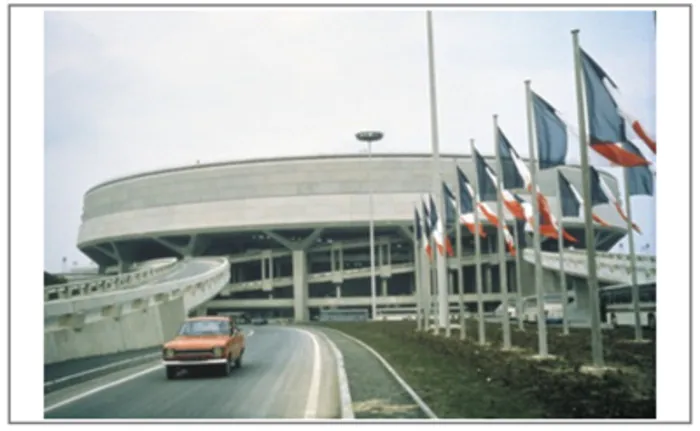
(134, 91)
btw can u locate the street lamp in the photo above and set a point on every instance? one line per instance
(369, 137)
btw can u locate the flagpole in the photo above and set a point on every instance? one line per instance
(417, 273)
(460, 269)
(539, 289)
(633, 260)
(440, 261)
(518, 278)
(426, 286)
(505, 320)
(477, 246)
(594, 300)
(562, 274)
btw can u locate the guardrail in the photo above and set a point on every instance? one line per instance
(611, 267)
(196, 290)
(99, 285)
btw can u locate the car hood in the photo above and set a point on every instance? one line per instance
(196, 343)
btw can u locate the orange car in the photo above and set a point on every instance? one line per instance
(213, 341)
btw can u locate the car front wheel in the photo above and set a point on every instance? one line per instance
(170, 372)
(226, 368)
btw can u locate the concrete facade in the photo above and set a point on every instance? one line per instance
(287, 205)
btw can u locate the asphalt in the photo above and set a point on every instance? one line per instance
(277, 381)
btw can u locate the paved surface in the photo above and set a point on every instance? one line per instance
(375, 393)
(281, 378)
(81, 365)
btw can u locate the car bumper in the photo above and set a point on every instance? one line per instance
(217, 361)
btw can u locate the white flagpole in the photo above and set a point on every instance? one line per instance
(460, 269)
(518, 278)
(594, 299)
(562, 274)
(536, 243)
(477, 246)
(440, 261)
(417, 272)
(633, 261)
(505, 320)
(426, 280)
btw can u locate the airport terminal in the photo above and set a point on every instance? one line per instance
(296, 230)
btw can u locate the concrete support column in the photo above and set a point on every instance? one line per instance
(583, 302)
(301, 285)
(385, 287)
(337, 291)
(102, 269)
(123, 267)
(489, 281)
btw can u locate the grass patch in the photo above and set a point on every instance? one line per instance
(460, 379)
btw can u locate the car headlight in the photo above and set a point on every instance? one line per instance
(169, 353)
(218, 351)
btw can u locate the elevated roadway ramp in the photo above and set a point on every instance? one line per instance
(99, 323)
(141, 274)
(614, 268)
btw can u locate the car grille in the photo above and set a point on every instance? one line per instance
(193, 355)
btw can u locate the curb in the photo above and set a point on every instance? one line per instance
(74, 379)
(344, 396)
(423, 406)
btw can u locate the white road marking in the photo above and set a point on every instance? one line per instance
(250, 334)
(344, 396)
(315, 385)
(104, 367)
(102, 388)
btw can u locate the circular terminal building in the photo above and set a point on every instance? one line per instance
(296, 229)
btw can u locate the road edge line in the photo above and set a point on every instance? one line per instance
(344, 396)
(100, 388)
(423, 406)
(93, 373)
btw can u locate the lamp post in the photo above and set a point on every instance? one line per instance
(369, 137)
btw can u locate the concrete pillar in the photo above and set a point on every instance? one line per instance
(271, 267)
(301, 285)
(385, 287)
(488, 279)
(583, 302)
(263, 269)
(337, 291)
(102, 269)
(123, 267)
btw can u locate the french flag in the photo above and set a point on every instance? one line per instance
(602, 185)
(426, 229)
(605, 122)
(442, 241)
(568, 189)
(517, 205)
(466, 196)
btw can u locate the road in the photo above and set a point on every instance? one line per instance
(286, 374)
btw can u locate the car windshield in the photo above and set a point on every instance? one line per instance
(204, 327)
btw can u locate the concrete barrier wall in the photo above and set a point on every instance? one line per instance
(98, 285)
(134, 319)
